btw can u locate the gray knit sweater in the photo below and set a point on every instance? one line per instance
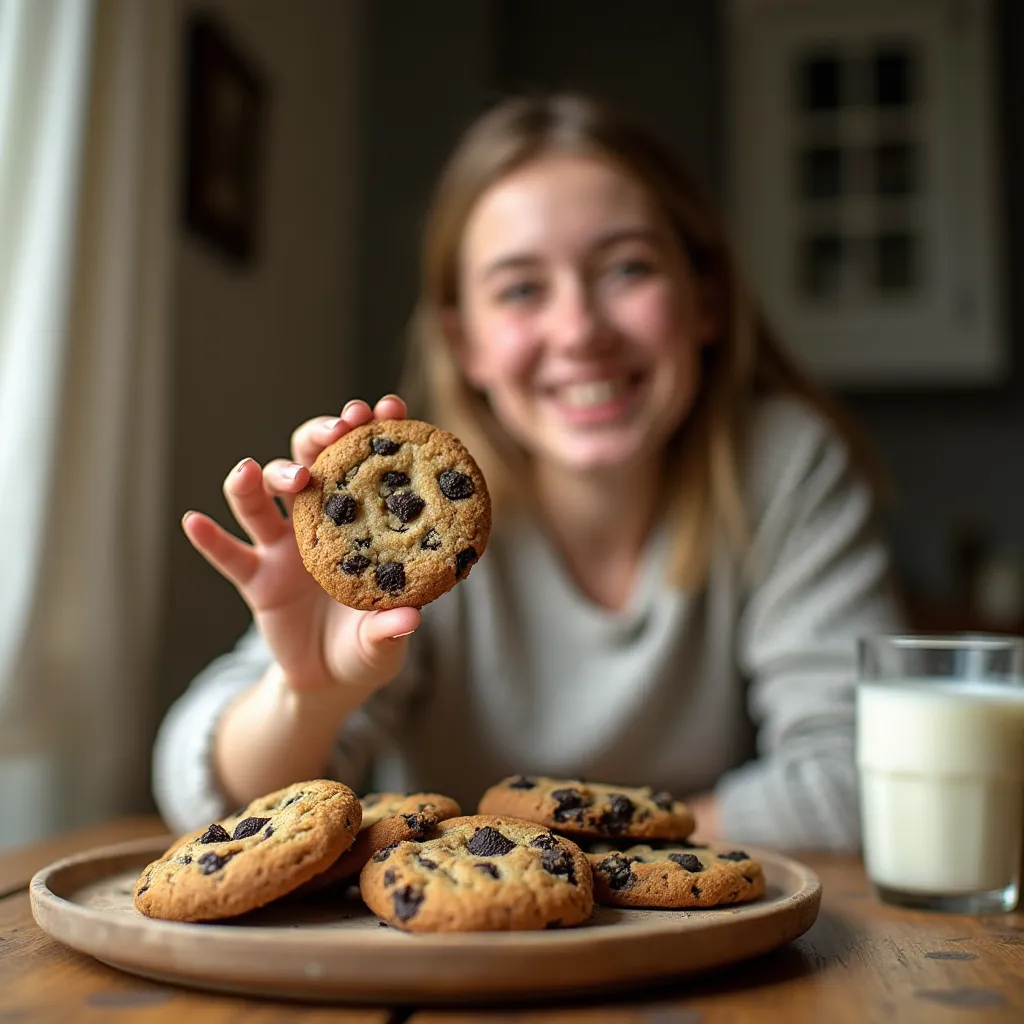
(745, 687)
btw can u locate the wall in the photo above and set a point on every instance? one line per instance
(258, 350)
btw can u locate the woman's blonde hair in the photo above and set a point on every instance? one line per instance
(705, 453)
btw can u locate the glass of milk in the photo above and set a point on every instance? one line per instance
(940, 753)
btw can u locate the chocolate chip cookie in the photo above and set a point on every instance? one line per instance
(674, 876)
(589, 809)
(395, 514)
(388, 819)
(480, 873)
(253, 856)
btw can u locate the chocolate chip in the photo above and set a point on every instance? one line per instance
(620, 874)
(390, 877)
(215, 834)
(418, 824)
(687, 861)
(392, 480)
(736, 855)
(455, 485)
(143, 888)
(406, 506)
(424, 862)
(750, 881)
(488, 869)
(522, 782)
(464, 559)
(383, 854)
(696, 891)
(187, 859)
(341, 508)
(570, 804)
(407, 902)
(355, 564)
(618, 816)
(210, 862)
(544, 842)
(559, 862)
(663, 801)
(489, 842)
(431, 541)
(363, 542)
(248, 827)
(390, 577)
(383, 446)
(268, 833)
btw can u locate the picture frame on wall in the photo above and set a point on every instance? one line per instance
(864, 187)
(225, 119)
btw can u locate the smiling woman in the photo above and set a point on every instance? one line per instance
(682, 543)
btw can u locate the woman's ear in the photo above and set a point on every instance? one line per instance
(465, 353)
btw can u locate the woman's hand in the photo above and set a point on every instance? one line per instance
(315, 641)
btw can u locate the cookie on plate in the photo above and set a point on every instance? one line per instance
(589, 808)
(253, 856)
(674, 876)
(388, 818)
(395, 514)
(480, 873)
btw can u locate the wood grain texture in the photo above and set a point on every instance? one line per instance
(861, 963)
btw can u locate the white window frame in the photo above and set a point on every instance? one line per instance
(950, 331)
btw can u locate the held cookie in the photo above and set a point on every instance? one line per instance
(388, 819)
(395, 514)
(480, 873)
(589, 809)
(674, 876)
(252, 857)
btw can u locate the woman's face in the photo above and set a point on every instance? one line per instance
(580, 316)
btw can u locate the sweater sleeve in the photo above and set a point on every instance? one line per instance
(186, 788)
(818, 578)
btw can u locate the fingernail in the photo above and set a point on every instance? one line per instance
(292, 471)
(185, 518)
(329, 425)
(348, 405)
(390, 394)
(399, 636)
(241, 465)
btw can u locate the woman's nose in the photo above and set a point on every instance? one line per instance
(575, 323)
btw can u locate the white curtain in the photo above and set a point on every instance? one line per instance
(88, 160)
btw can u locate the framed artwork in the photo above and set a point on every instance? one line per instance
(864, 189)
(225, 114)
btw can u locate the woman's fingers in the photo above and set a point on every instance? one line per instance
(227, 554)
(283, 479)
(390, 625)
(390, 407)
(252, 506)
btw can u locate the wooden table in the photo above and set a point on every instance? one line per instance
(860, 963)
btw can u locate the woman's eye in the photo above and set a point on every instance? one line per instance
(520, 291)
(632, 268)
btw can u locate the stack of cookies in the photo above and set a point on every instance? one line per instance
(635, 841)
(537, 855)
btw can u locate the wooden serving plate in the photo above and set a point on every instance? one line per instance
(337, 951)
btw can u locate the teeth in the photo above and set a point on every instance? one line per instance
(593, 392)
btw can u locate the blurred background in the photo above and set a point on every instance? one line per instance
(209, 220)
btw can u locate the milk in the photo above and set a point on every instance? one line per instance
(942, 784)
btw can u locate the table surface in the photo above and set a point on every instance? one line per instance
(861, 962)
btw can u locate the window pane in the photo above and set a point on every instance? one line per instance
(820, 83)
(823, 265)
(895, 261)
(896, 169)
(894, 76)
(821, 172)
